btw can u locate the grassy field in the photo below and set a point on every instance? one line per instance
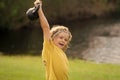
(31, 68)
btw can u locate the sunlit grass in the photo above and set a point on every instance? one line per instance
(83, 70)
(21, 68)
(31, 68)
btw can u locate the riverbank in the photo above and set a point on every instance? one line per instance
(28, 39)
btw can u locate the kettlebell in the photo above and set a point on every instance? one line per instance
(32, 13)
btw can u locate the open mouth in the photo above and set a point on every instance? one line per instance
(61, 44)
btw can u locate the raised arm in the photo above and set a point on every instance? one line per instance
(43, 21)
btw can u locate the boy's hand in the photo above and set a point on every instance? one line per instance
(38, 2)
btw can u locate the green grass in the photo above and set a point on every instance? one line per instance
(31, 68)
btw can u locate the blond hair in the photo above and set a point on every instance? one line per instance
(56, 29)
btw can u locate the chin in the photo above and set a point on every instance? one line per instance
(61, 48)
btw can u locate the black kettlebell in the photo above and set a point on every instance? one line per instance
(32, 13)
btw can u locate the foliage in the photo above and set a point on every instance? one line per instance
(78, 9)
(13, 11)
(31, 68)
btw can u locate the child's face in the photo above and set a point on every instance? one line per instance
(61, 40)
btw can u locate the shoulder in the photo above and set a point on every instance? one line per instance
(47, 42)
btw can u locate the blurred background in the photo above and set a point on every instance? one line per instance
(94, 24)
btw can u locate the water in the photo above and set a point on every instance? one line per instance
(29, 39)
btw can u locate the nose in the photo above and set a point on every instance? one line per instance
(63, 40)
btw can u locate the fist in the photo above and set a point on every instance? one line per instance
(38, 2)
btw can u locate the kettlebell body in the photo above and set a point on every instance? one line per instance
(32, 13)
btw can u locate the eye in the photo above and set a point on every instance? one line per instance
(61, 37)
(66, 39)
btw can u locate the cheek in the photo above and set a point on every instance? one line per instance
(66, 44)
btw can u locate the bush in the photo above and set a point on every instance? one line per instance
(13, 11)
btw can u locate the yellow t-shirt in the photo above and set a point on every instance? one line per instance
(55, 61)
